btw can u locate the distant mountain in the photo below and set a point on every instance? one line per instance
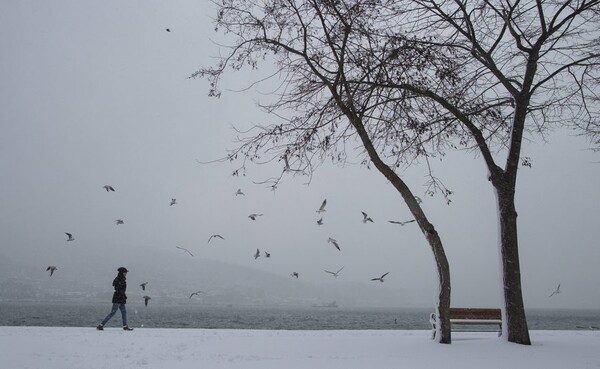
(89, 279)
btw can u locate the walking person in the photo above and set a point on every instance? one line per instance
(119, 299)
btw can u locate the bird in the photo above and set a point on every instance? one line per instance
(215, 236)
(320, 222)
(267, 254)
(254, 216)
(173, 202)
(366, 218)
(295, 275)
(119, 221)
(334, 242)
(401, 223)
(257, 254)
(380, 279)
(146, 298)
(109, 188)
(70, 237)
(143, 285)
(168, 29)
(197, 293)
(239, 192)
(184, 249)
(556, 292)
(335, 274)
(51, 268)
(322, 208)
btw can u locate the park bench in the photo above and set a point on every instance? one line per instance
(471, 320)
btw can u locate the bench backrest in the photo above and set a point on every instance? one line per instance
(475, 313)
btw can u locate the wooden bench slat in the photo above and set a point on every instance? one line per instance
(475, 313)
(474, 321)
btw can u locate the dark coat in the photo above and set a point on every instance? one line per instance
(120, 285)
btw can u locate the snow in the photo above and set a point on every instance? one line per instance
(50, 348)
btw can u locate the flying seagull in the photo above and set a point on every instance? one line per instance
(322, 208)
(257, 254)
(267, 254)
(239, 192)
(186, 250)
(295, 275)
(173, 202)
(320, 222)
(401, 223)
(70, 237)
(51, 268)
(197, 293)
(215, 236)
(380, 279)
(119, 221)
(366, 218)
(108, 188)
(335, 274)
(556, 292)
(253, 216)
(146, 298)
(143, 285)
(334, 242)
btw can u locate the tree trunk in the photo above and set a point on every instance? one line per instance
(442, 333)
(433, 238)
(514, 328)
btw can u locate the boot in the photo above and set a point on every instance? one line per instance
(126, 328)
(100, 327)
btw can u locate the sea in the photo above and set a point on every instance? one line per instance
(260, 317)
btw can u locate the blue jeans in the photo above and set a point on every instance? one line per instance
(114, 310)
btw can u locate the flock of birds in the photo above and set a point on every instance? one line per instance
(109, 188)
(331, 240)
(254, 216)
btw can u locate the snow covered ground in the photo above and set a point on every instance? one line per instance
(62, 348)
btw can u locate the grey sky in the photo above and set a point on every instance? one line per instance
(96, 93)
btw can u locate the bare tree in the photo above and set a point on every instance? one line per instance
(526, 67)
(521, 69)
(322, 105)
(418, 77)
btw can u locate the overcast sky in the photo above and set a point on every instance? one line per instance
(97, 92)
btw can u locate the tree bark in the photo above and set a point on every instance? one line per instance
(515, 323)
(443, 308)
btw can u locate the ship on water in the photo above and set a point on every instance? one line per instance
(331, 304)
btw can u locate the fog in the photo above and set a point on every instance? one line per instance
(97, 93)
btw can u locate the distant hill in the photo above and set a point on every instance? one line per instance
(25, 279)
